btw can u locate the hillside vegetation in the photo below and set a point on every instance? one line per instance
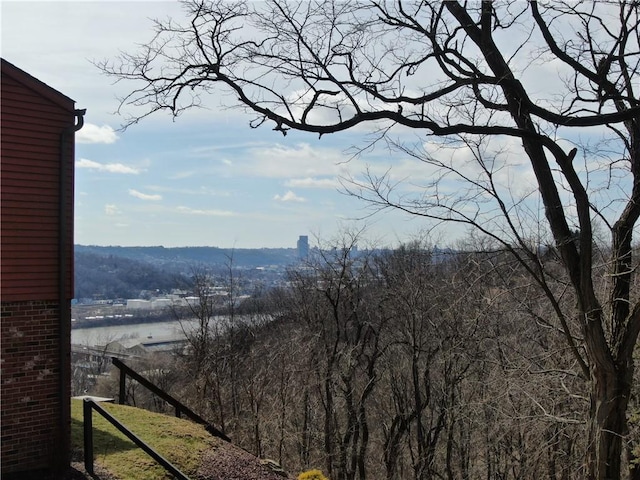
(100, 276)
(397, 365)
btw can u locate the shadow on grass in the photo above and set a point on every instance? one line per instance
(104, 442)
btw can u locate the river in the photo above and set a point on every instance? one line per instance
(103, 335)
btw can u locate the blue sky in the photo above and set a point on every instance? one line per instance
(207, 178)
(203, 179)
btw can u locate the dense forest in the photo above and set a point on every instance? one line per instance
(100, 276)
(396, 365)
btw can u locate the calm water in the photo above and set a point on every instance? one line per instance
(102, 335)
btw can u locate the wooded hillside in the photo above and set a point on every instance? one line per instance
(111, 277)
(397, 366)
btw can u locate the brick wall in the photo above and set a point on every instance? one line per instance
(30, 385)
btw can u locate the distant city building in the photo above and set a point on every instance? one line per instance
(159, 303)
(303, 247)
(138, 304)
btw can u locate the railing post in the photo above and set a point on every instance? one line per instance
(88, 435)
(123, 387)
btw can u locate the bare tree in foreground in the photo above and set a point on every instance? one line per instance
(503, 83)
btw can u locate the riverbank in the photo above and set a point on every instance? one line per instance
(93, 317)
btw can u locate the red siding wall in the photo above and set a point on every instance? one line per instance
(32, 125)
(35, 334)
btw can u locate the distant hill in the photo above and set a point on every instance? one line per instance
(112, 276)
(189, 256)
(124, 272)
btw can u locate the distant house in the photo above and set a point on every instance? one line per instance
(36, 281)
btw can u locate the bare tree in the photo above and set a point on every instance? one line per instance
(338, 307)
(196, 315)
(88, 362)
(466, 75)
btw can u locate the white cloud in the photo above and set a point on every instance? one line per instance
(91, 133)
(301, 160)
(182, 175)
(289, 197)
(111, 209)
(210, 213)
(106, 167)
(202, 191)
(144, 196)
(310, 182)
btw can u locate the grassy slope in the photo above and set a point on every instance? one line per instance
(179, 441)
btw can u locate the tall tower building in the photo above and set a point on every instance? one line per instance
(303, 247)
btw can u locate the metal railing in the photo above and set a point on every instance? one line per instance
(179, 407)
(87, 410)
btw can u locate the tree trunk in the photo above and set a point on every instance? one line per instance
(607, 422)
